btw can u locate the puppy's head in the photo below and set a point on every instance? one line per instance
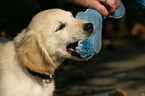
(48, 37)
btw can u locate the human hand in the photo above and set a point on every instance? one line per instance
(96, 4)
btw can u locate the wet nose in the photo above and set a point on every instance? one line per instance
(89, 27)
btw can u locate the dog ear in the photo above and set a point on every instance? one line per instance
(32, 53)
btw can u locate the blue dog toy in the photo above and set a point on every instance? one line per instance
(142, 3)
(92, 45)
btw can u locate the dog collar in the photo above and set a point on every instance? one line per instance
(46, 78)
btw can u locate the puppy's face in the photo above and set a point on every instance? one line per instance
(59, 28)
(51, 36)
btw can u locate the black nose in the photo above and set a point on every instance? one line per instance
(88, 27)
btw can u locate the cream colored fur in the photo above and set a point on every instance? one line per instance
(41, 47)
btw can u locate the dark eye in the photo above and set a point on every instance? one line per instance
(60, 27)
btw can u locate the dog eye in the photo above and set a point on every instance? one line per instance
(60, 27)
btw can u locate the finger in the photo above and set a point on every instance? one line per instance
(117, 4)
(96, 5)
(92, 4)
(112, 5)
(112, 9)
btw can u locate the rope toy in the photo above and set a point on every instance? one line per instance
(92, 45)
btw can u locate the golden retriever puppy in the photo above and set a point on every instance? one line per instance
(27, 63)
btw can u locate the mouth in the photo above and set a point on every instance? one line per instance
(75, 47)
(84, 54)
(72, 49)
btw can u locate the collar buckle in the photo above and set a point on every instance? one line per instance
(47, 81)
